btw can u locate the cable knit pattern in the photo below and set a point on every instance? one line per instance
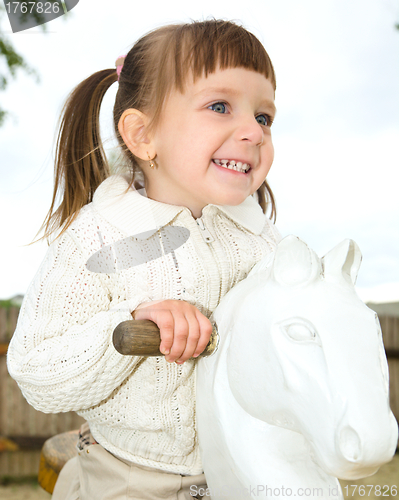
(124, 249)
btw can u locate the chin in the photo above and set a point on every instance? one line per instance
(233, 200)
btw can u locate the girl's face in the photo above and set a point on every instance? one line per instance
(223, 117)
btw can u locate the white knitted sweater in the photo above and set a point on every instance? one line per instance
(140, 409)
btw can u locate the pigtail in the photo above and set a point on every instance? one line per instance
(266, 200)
(81, 164)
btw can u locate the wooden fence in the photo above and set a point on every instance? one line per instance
(23, 430)
(390, 334)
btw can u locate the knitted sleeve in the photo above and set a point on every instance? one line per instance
(61, 354)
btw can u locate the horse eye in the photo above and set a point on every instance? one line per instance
(300, 331)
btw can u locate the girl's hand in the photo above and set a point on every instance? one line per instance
(185, 331)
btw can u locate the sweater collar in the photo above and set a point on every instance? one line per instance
(133, 213)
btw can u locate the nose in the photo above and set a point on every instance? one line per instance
(349, 443)
(251, 131)
(371, 442)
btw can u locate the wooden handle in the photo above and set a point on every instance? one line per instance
(142, 338)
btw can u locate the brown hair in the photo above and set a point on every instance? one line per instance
(159, 62)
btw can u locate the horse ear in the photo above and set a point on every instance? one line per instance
(342, 262)
(294, 262)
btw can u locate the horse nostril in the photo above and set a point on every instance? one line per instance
(349, 443)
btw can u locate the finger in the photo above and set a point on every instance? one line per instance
(205, 334)
(192, 339)
(179, 337)
(166, 325)
(163, 318)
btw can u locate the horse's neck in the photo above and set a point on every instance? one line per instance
(277, 450)
(249, 451)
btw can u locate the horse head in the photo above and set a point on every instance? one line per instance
(306, 354)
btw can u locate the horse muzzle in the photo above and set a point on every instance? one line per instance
(362, 449)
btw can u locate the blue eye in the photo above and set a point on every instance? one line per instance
(219, 107)
(263, 120)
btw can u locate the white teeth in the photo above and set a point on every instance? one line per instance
(233, 165)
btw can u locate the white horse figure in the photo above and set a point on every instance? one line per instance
(296, 394)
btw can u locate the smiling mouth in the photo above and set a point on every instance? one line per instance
(238, 166)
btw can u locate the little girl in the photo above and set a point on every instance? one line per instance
(192, 115)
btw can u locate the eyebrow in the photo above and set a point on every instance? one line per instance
(222, 90)
(229, 90)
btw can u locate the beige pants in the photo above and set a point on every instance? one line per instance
(96, 474)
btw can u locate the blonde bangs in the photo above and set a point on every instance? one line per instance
(218, 45)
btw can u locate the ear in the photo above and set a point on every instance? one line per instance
(295, 263)
(342, 262)
(133, 129)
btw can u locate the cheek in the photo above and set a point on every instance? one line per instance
(268, 155)
(271, 155)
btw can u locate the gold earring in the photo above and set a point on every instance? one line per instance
(151, 162)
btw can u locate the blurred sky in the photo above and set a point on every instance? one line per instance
(336, 133)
